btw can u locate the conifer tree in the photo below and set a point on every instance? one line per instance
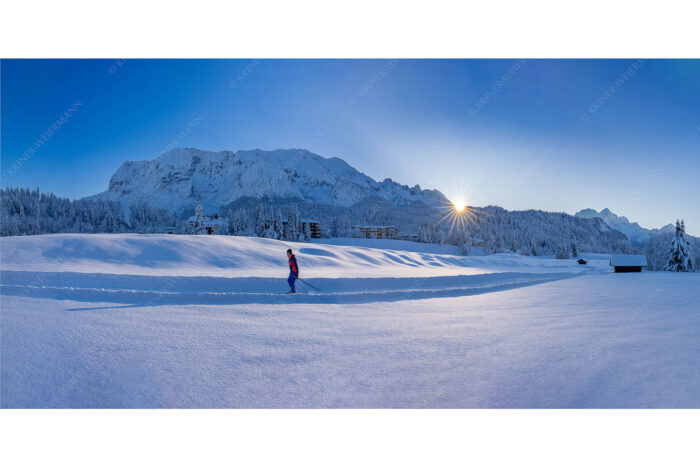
(277, 226)
(260, 218)
(679, 258)
(294, 230)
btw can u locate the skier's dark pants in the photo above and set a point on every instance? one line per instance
(291, 280)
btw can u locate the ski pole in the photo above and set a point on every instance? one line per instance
(312, 286)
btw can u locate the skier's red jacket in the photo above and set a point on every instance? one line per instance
(293, 267)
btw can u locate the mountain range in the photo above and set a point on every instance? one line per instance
(176, 179)
(636, 234)
(326, 187)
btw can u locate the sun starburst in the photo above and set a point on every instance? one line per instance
(457, 215)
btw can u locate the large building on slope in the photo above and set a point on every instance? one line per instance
(375, 231)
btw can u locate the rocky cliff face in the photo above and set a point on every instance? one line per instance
(174, 180)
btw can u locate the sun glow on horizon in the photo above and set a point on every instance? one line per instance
(457, 214)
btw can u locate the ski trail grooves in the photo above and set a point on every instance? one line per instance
(160, 290)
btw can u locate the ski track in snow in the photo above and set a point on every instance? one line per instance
(167, 269)
(216, 290)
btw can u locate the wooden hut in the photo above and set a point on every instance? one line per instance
(628, 263)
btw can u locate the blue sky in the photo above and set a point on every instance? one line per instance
(558, 135)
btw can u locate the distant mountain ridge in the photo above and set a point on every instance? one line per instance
(338, 195)
(176, 179)
(636, 234)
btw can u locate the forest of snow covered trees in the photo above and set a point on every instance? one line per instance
(532, 232)
(30, 212)
(536, 233)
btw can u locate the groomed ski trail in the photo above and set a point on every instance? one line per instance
(162, 290)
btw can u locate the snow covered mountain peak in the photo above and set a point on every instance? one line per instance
(637, 234)
(176, 179)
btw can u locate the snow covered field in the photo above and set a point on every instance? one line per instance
(187, 321)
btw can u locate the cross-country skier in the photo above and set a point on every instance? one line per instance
(293, 271)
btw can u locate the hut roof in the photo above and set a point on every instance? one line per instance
(628, 260)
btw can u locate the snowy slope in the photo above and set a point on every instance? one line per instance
(506, 331)
(169, 269)
(229, 256)
(119, 320)
(637, 234)
(174, 180)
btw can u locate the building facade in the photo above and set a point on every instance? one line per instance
(375, 231)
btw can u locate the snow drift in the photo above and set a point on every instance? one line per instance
(164, 269)
(225, 256)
